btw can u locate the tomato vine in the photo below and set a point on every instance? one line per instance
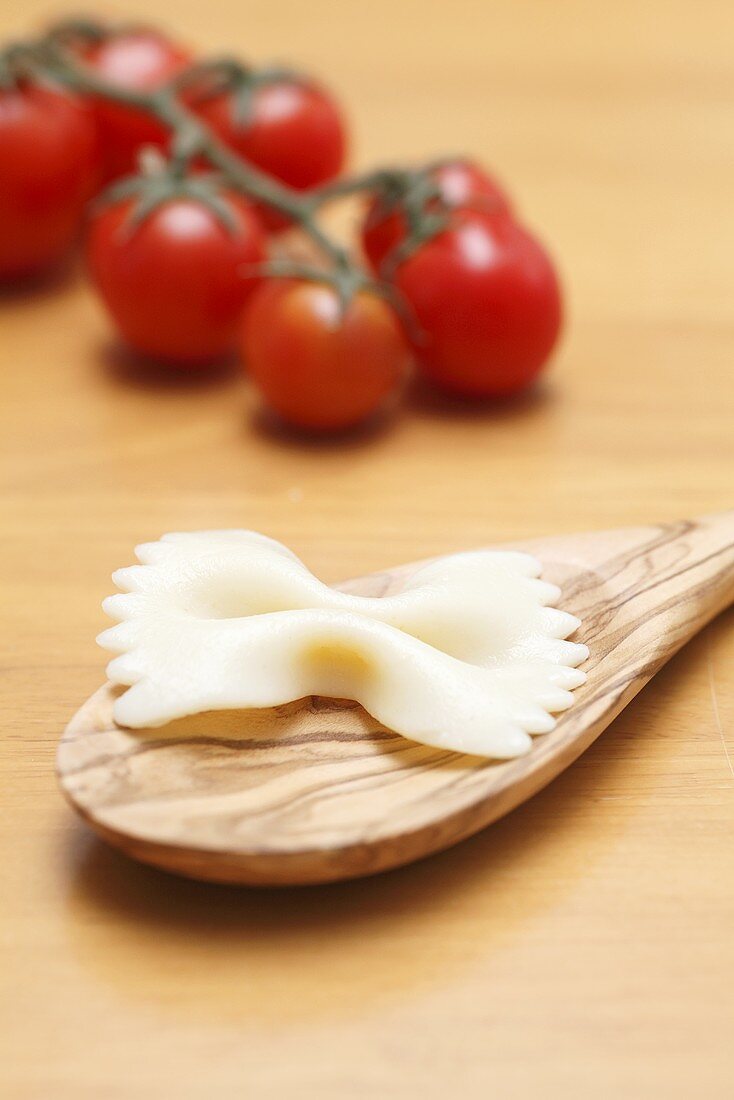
(49, 58)
(208, 159)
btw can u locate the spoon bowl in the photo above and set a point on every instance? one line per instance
(317, 790)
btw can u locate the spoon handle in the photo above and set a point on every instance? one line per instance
(644, 597)
(715, 533)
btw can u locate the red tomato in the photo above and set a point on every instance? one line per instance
(319, 370)
(48, 162)
(141, 60)
(295, 132)
(176, 284)
(486, 303)
(461, 184)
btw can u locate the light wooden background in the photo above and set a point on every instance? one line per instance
(583, 946)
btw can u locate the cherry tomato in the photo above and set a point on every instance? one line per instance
(141, 60)
(48, 165)
(295, 132)
(486, 303)
(318, 369)
(462, 185)
(177, 283)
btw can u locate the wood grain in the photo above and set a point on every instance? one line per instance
(582, 945)
(318, 791)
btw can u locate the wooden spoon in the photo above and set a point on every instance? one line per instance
(318, 790)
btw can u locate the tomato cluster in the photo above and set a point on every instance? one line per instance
(454, 284)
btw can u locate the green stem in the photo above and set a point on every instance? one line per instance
(192, 138)
(379, 179)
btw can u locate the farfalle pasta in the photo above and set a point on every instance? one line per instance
(470, 655)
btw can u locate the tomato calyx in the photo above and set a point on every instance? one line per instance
(161, 182)
(79, 32)
(346, 280)
(417, 195)
(19, 63)
(229, 76)
(411, 206)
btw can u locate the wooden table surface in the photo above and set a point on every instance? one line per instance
(583, 945)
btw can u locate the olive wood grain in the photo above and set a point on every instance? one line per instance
(318, 790)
